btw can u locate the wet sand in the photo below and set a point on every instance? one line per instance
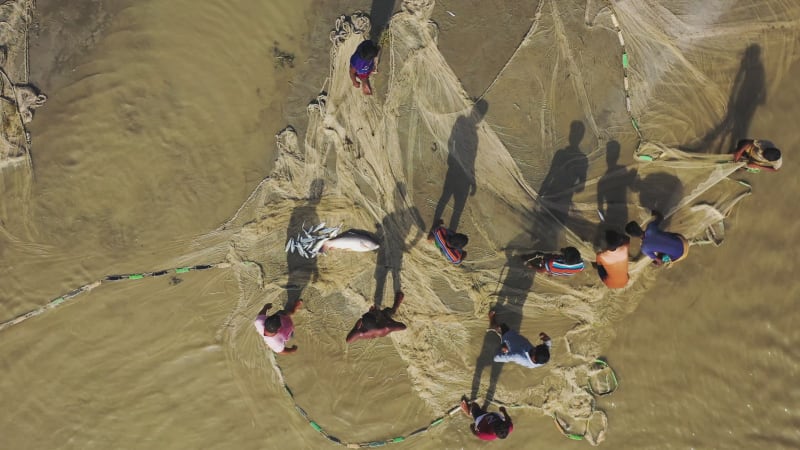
(705, 360)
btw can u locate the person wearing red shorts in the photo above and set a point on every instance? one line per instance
(362, 64)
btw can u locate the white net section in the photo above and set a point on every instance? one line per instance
(526, 166)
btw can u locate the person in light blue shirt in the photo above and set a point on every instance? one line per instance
(516, 348)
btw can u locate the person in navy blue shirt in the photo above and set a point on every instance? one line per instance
(362, 64)
(662, 247)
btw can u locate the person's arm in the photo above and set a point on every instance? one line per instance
(545, 338)
(602, 271)
(764, 168)
(657, 217)
(353, 77)
(506, 417)
(288, 350)
(264, 310)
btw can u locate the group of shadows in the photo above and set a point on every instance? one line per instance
(566, 176)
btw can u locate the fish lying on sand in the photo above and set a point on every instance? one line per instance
(317, 239)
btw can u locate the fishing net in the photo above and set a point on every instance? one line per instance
(603, 112)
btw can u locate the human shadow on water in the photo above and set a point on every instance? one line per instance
(392, 231)
(612, 190)
(749, 91)
(659, 191)
(302, 270)
(567, 175)
(379, 15)
(514, 290)
(460, 180)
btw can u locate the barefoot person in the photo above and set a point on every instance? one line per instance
(487, 426)
(377, 322)
(516, 348)
(564, 264)
(278, 328)
(362, 64)
(612, 263)
(758, 154)
(662, 247)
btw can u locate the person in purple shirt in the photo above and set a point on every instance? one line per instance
(362, 64)
(516, 348)
(662, 247)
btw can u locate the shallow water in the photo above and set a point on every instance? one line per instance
(171, 111)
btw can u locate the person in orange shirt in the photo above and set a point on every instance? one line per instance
(612, 264)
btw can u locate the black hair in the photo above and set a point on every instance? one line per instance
(368, 50)
(633, 229)
(458, 240)
(501, 428)
(614, 239)
(541, 354)
(571, 255)
(273, 323)
(772, 154)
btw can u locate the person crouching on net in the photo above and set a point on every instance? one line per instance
(278, 328)
(487, 426)
(759, 155)
(449, 243)
(516, 348)
(362, 64)
(564, 264)
(377, 323)
(662, 247)
(612, 263)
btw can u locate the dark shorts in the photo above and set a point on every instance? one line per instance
(476, 411)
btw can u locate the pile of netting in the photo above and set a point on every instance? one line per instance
(535, 162)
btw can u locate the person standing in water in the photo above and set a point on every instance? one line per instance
(278, 328)
(758, 154)
(362, 64)
(612, 263)
(516, 348)
(487, 426)
(662, 247)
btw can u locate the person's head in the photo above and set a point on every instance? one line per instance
(458, 240)
(540, 354)
(615, 240)
(272, 324)
(368, 50)
(571, 255)
(501, 428)
(772, 154)
(479, 109)
(633, 229)
(576, 132)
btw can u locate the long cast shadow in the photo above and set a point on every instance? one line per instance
(379, 15)
(510, 301)
(567, 175)
(302, 270)
(749, 91)
(612, 190)
(394, 229)
(659, 191)
(460, 180)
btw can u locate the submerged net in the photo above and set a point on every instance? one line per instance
(543, 159)
(604, 112)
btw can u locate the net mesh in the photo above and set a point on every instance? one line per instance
(534, 163)
(604, 112)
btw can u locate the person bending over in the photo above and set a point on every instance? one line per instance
(759, 155)
(516, 348)
(612, 263)
(487, 426)
(564, 264)
(377, 323)
(362, 64)
(449, 243)
(278, 328)
(662, 247)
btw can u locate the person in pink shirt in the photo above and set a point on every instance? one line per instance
(488, 426)
(278, 328)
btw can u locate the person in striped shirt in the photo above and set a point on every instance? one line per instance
(564, 264)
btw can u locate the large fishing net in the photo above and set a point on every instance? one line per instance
(604, 112)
